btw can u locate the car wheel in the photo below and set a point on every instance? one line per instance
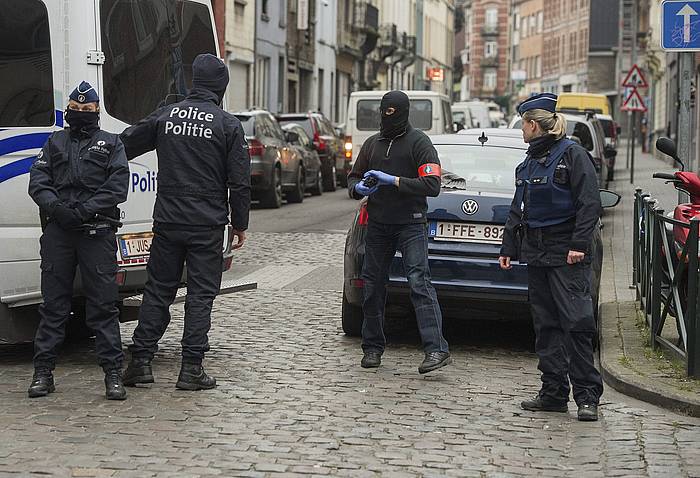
(352, 318)
(343, 181)
(317, 188)
(330, 180)
(272, 198)
(296, 195)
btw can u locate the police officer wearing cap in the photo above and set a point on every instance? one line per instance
(397, 169)
(77, 180)
(203, 180)
(553, 216)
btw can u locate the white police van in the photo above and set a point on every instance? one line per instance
(138, 54)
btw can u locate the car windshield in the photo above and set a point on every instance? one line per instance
(480, 168)
(248, 123)
(302, 121)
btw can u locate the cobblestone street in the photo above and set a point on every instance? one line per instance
(292, 399)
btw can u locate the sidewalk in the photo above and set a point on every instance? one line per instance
(627, 362)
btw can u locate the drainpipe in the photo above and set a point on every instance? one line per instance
(418, 80)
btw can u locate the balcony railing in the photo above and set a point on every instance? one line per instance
(489, 30)
(489, 61)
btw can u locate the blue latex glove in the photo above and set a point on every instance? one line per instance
(364, 190)
(383, 178)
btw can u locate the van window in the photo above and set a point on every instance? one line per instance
(26, 79)
(447, 117)
(368, 119)
(582, 132)
(149, 48)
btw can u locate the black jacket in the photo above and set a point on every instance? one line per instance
(203, 162)
(86, 168)
(403, 156)
(550, 246)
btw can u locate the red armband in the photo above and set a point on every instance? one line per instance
(430, 169)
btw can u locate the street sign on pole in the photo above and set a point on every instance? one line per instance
(635, 78)
(680, 25)
(634, 102)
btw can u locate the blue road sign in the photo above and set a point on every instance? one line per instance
(680, 24)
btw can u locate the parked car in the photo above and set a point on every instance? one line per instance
(465, 227)
(479, 112)
(462, 117)
(310, 169)
(327, 143)
(430, 112)
(274, 164)
(610, 128)
(588, 131)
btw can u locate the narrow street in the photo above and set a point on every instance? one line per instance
(292, 399)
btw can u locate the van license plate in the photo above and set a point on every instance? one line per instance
(135, 245)
(466, 232)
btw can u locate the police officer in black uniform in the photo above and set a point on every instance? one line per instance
(398, 168)
(77, 180)
(203, 176)
(555, 211)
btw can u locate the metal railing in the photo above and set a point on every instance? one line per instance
(666, 279)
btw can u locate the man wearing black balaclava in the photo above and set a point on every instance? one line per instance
(203, 182)
(397, 169)
(77, 180)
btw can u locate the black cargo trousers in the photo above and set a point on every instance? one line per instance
(61, 252)
(565, 328)
(172, 247)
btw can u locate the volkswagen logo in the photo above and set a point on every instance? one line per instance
(469, 207)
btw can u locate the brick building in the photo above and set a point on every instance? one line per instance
(565, 45)
(485, 54)
(527, 46)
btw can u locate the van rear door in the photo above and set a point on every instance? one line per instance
(149, 48)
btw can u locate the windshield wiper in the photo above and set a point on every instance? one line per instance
(453, 181)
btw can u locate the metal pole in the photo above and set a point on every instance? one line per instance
(629, 139)
(692, 311)
(634, 136)
(684, 125)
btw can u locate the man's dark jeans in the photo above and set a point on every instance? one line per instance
(382, 242)
(202, 250)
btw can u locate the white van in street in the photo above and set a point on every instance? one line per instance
(138, 55)
(430, 112)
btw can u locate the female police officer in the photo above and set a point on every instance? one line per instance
(555, 210)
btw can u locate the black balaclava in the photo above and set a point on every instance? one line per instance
(396, 124)
(82, 121)
(210, 73)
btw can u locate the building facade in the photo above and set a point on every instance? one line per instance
(486, 52)
(526, 48)
(239, 53)
(270, 55)
(325, 68)
(565, 57)
(301, 55)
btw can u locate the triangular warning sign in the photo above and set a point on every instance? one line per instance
(634, 102)
(635, 78)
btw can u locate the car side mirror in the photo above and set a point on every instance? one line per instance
(610, 152)
(609, 199)
(291, 137)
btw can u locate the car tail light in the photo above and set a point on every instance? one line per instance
(255, 148)
(357, 283)
(319, 143)
(348, 147)
(363, 216)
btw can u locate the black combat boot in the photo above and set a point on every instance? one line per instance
(193, 377)
(588, 412)
(434, 361)
(541, 404)
(42, 383)
(138, 371)
(371, 360)
(114, 388)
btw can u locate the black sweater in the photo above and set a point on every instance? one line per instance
(403, 156)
